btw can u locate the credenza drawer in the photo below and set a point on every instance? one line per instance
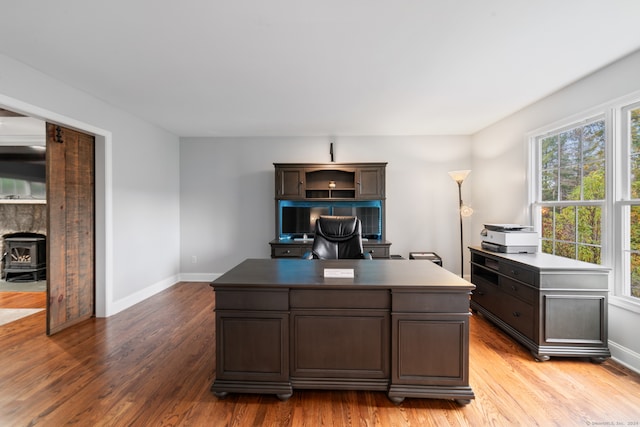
(516, 272)
(376, 251)
(517, 313)
(288, 251)
(486, 294)
(517, 289)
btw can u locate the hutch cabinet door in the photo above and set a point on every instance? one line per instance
(370, 183)
(289, 183)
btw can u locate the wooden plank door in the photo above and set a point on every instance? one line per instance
(70, 228)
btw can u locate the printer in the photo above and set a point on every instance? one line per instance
(510, 238)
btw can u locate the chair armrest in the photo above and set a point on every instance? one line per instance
(307, 255)
(367, 255)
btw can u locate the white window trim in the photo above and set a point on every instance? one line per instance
(621, 201)
(536, 204)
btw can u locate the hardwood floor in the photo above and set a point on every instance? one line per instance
(153, 364)
(23, 299)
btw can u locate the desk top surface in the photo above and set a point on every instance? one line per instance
(377, 273)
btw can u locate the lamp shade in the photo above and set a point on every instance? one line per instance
(466, 211)
(459, 176)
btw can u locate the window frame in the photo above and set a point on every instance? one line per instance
(622, 204)
(536, 204)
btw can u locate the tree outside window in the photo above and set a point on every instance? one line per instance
(572, 169)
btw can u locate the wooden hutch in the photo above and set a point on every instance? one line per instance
(304, 191)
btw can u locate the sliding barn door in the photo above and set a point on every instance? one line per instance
(70, 229)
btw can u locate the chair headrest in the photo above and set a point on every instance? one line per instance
(337, 226)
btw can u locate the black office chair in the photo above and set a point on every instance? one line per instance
(338, 237)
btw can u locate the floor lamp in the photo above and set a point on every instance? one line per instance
(464, 211)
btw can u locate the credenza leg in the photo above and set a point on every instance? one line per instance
(540, 357)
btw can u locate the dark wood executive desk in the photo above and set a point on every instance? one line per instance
(398, 326)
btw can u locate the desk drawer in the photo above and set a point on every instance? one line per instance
(377, 251)
(430, 302)
(333, 298)
(252, 299)
(288, 251)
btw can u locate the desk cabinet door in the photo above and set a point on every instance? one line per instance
(430, 349)
(340, 344)
(252, 346)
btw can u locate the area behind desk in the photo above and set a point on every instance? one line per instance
(396, 326)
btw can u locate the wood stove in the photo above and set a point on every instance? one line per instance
(25, 257)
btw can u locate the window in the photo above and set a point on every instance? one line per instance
(629, 201)
(571, 189)
(11, 188)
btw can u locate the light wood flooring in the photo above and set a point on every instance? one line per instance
(153, 364)
(23, 299)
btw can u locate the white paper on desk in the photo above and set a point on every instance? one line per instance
(339, 273)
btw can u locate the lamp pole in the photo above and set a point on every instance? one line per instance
(459, 177)
(460, 215)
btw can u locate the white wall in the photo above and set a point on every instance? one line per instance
(227, 192)
(137, 184)
(500, 170)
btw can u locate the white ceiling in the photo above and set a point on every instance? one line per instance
(321, 67)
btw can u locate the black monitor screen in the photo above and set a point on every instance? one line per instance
(370, 218)
(301, 220)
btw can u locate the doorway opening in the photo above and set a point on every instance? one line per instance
(102, 186)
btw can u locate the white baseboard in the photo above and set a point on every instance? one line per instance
(131, 300)
(624, 356)
(199, 277)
